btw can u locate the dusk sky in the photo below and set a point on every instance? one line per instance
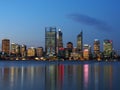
(24, 21)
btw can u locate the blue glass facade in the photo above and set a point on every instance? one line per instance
(50, 40)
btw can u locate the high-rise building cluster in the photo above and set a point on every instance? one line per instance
(55, 49)
(15, 51)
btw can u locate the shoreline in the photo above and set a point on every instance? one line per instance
(112, 60)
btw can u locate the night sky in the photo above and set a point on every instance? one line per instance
(24, 21)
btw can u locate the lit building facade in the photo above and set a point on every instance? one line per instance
(15, 49)
(18, 50)
(75, 55)
(31, 52)
(86, 51)
(39, 51)
(96, 46)
(50, 41)
(107, 47)
(6, 46)
(23, 50)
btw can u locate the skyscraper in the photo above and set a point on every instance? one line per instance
(59, 39)
(6, 46)
(107, 47)
(96, 46)
(50, 40)
(80, 41)
(59, 48)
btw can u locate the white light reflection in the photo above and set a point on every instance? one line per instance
(22, 76)
(32, 75)
(12, 79)
(86, 73)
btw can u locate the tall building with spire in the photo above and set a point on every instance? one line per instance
(59, 39)
(50, 41)
(60, 48)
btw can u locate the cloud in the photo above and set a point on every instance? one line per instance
(87, 20)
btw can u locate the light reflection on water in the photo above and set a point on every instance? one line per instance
(60, 76)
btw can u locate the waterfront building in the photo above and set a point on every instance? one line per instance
(15, 49)
(67, 55)
(74, 54)
(23, 50)
(86, 51)
(31, 52)
(107, 47)
(61, 53)
(6, 46)
(68, 50)
(96, 46)
(18, 50)
(50, 41)
(39, 51)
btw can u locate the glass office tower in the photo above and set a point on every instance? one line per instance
(50, 41)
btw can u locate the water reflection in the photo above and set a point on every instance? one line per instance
(21, 78)
(84, 76)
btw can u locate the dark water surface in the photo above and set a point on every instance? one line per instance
(37, 75)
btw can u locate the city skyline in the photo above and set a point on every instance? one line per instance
(24, 22)
(54, 49)
(75, 45)
(54, 41)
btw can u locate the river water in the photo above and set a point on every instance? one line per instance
(39, 75)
